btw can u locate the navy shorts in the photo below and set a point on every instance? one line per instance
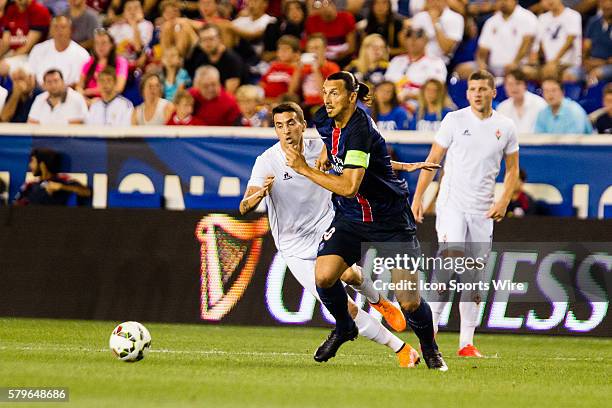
(346, 237)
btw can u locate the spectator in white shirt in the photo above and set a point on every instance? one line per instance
(111, 109)
(132, 33)
(59, 52)
(444, 28)
(559, 41)
(251, 27)
(410, 71)
(521, 106)
(505, 41)
(59, 105)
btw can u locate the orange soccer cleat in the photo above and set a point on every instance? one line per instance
(408, 357)
(393, 316)
(469, 351)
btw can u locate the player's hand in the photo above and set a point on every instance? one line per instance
(52, 187)
(322, 165)
(497, 211)
(267, 187)
(417, 210)
(296, 160)
(410, 167)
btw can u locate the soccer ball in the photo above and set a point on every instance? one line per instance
(130, 341)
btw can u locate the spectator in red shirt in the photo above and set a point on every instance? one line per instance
(24, 23)
(213, 105)
(183, 114)
(312, 71)
(276, 80)
(338, 27)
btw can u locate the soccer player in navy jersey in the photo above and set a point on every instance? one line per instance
(371, 205)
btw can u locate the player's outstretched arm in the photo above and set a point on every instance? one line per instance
(511, 180)
(254, 195)
(410, 167)
(436, 154)
(346, 185)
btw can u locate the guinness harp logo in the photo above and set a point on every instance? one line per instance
(229, 252)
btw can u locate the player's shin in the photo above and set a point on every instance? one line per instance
(468, 310)
(372, 329)
(363, 284)
(335, 300)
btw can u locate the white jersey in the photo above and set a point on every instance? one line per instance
(299, 211)
(511, 32)
(553, 32)
(475, 150)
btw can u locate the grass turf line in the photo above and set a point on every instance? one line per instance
(224, 366)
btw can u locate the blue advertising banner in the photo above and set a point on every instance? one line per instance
(566, 176)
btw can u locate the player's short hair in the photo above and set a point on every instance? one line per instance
(251, 92)
(168, 3)
(109, 71)
(145, 78)
(50, 157)
(51, 72)
(351, 84)
(482, 74)
(181, 95)
(290, 41)
(209, 26)
(517, 74)
(608, 89)
(289, 107)
(317, 36)
(553, 78)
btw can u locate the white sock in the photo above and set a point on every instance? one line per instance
(367, 287)
(436, 311)
(372, 329)
(469, 314)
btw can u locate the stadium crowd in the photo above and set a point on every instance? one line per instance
(227, 62)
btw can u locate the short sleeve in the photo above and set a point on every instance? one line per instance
(122, 67)
(35, 109)
(454, 29)
(575, 24)
(444, 135)
(512, 145)
(484, 41)
(259, 172)
(3, 95)
(358, 143)
(146, 32)
(39, 18)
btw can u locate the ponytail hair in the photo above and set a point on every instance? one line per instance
(351, 84)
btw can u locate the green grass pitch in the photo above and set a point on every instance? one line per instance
(223, 366)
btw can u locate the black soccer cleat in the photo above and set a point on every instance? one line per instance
(434, 360)
(330, 346)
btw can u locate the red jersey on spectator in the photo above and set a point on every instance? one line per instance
(35, 17)
(220, 111)
(335, 31)
(188, 121)
(310, 91)
(276, 81)
(101, 6)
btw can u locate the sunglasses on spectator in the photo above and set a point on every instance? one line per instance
(100, 31)
(415, 33)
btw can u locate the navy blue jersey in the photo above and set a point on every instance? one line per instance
(382, 196)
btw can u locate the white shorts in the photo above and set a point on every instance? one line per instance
(456, 228)
(303, 270)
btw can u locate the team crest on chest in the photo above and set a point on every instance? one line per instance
(287, 176)
(498, 134)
